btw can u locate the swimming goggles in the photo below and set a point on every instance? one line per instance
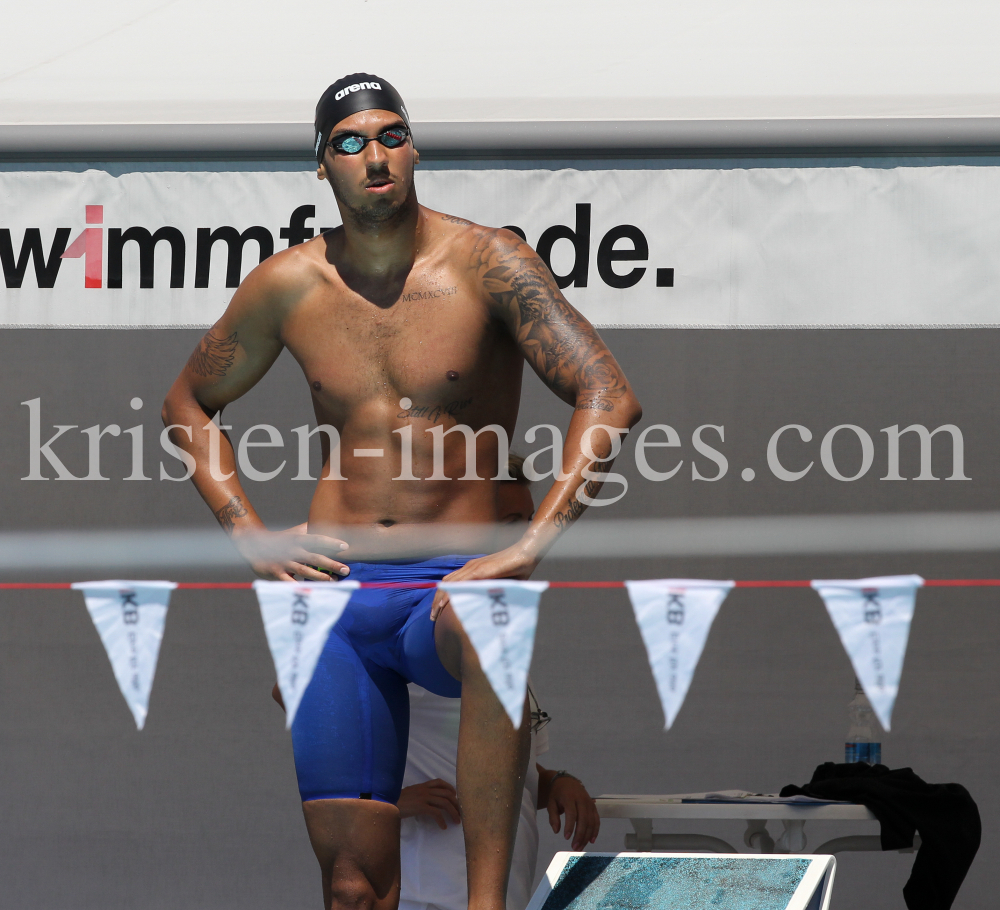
(391, 138)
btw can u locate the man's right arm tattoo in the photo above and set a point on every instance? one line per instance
(228, 514)
(214, 355)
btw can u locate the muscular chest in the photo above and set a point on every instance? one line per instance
(434, 343)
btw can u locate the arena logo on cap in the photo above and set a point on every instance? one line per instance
(357, 87)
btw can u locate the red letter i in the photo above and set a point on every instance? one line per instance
(90, 244)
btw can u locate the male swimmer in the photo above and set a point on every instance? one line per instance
(432, 847)
(407, 323)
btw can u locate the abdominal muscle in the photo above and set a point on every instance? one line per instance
(381, 516)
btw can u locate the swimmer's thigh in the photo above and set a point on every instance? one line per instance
(421, 651)
(350, 732)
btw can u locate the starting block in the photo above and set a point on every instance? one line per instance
(685, 881)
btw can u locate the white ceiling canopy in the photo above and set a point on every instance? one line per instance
(209, 62)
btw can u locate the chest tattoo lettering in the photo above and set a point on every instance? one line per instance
(434, 413)
(429, 295)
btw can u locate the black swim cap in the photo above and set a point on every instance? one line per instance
(357, 92)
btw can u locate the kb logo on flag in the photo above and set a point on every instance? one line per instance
(675, 608)
(300, 609)
(498, 607)
(872, 608)
(130, 609)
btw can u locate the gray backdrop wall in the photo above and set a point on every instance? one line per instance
(200, 810)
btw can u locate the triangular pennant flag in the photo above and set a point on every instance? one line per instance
(872, 617)
(500, 617)
(129, 616)
(674, 616)
(298, 618)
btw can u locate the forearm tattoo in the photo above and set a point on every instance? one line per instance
(214, 355)
(228, 514)
(558, 342)
(574, 510)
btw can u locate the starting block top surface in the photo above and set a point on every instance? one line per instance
(685, 881)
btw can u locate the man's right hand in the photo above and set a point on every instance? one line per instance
(278, 556)
(433, 798)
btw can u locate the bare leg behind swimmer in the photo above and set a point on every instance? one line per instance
(357, 841)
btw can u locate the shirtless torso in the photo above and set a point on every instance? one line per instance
(406, 323)
(429, 351)
(395, 361)
(385, 363)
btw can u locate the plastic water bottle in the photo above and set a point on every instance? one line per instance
(863, 738)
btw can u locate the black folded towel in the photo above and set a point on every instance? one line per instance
(945, 816)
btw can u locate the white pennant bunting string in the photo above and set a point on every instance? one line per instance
(500, 617)
(674, 616)
(872, 617)
(297, 622)
(129, 616)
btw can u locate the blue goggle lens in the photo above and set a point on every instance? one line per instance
(393, 138)
(351, 145)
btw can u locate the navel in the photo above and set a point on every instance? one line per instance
(451, 375)
(317, 385)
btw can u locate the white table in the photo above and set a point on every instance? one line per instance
(642, 810)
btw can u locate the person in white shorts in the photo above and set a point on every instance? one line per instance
(432, 843)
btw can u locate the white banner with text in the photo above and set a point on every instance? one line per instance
(783, 247)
